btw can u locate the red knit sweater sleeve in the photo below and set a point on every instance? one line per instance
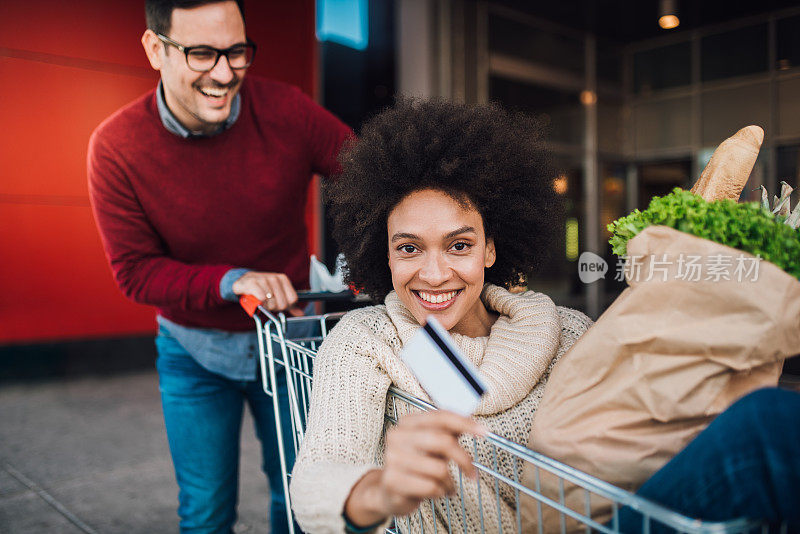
(326, 135)
(139, 261)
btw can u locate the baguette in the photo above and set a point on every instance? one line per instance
(730, 166)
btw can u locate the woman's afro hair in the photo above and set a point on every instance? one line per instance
(480, 155)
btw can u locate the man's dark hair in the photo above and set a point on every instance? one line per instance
(158, 13)
(481, 155)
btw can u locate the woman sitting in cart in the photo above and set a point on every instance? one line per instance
(440, 210)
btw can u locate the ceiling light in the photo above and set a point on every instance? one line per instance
(668, 14)
(588, 98)
(561, 184)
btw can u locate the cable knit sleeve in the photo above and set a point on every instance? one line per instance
(346, 420)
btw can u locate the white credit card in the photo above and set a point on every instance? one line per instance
(449, 379)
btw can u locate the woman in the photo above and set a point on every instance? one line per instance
(440, 208)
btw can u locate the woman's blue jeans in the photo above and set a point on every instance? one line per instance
(203, 418)
(745, 464)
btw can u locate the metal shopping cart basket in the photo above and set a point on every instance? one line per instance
(295, 357)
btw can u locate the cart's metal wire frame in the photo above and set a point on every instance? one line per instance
(296, 358)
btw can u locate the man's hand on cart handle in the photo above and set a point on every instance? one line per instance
(273, 290)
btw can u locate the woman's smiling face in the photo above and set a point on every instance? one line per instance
(437, 254)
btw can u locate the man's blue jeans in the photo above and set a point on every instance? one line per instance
(745, 464)
(203, 418)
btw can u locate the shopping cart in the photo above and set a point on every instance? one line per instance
(295, 358)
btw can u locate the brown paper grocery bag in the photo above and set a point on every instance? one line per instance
(668, 355)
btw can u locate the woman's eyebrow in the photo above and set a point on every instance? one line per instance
(403, 235)
(459, 231)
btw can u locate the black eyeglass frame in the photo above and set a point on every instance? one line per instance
(219, 52)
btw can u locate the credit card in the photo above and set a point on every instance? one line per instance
(446, 375)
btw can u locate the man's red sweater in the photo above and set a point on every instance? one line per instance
(176, 214)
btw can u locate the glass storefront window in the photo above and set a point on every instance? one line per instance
(788, 31)
(735, 53)
(609, 64)
(672, 115)
(561, 111)
(664, 123)
(789, 107)
(558, 277)
(515, 39)
(610, 126)
(726, 111)
(789, 165)
(662, 68)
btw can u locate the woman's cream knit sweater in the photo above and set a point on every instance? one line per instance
(359, 361)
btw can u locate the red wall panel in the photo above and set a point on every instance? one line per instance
(55, 281)
(94, 30)
(53, 110)
(65, 67)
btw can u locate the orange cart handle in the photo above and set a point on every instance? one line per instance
(249, 303)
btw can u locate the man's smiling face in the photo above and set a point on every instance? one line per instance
(201, 101)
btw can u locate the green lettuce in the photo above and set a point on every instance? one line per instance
(744, 226)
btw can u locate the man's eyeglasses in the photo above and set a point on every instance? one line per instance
(203, 58)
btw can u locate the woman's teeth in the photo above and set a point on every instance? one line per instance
(436, 298)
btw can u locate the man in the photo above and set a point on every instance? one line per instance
(198, 189)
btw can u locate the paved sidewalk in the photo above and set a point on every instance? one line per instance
(90, 455)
